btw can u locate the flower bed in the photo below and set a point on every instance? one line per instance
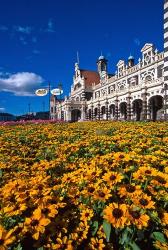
(91, 185)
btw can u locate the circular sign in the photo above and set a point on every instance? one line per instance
(56, 91)
(41, 92)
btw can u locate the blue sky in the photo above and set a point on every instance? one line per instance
(39, 41)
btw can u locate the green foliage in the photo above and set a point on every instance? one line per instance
(158, 236)
(107, 229)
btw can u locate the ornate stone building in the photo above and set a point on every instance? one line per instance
(135, 92)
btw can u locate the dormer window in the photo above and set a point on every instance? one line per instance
(147, 54)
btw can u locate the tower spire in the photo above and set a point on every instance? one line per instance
(77, 54)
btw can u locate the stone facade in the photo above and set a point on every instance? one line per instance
(135, 92)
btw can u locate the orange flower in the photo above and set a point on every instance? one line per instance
(6, 238)
(144, 201)
(36, 223)
(112, 178)
(137, 218)
(116, 214)
(96, 244)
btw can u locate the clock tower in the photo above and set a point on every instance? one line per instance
(102, 66)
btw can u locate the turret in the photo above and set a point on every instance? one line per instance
(102, 66)
(130, 61)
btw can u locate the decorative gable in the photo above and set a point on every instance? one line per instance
(121, 62)
(147, 46)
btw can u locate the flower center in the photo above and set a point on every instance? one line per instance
(101, 194)
(34, 223)
(160, 179)
(45, 210)
(112, 177)
(135, 214)
(91, 189)
(117, 213)
(148, 172)
(143, 202)
(1, 242)
(130, 188)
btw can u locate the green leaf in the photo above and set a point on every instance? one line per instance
(107, 229)
(158, 236)
(1, 173)
(125, 237)
(134, 246)
(19, 247)
(95, 227)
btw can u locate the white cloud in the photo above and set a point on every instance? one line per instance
(23, 40)
(25, 30)
(50, 26)
(21, 84)
(2, 109)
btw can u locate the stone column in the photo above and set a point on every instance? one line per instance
(107, 110)
(116, 110)
(128, 108)
(92, 114)
(144, 105)
(83, 116)
(165, 102)
(98, 111)
(101, 115)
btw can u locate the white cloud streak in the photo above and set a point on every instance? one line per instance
(2, 109)
(21, 84)
(25, 30)
(50, 26)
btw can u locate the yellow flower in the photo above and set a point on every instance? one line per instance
(36, 223)
(164, 219)
(137, 218)
(6, 238)
(102, 194)
(129, 190)
(116, 214)
(86, 214)
(96, 244)
(144, 201)
(160, 246)
(63, 243)
(112, 178)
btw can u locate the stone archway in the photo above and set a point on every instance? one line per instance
(96, 113)
(103, 112)
(123, 111)
(112, 111)
(155, 105)
(90, 114)
(75, 115)
(137, 109)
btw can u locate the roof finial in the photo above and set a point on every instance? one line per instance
(101, 53)
(77, 54)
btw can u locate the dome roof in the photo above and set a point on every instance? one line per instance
(101, 57)
(130, 58)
